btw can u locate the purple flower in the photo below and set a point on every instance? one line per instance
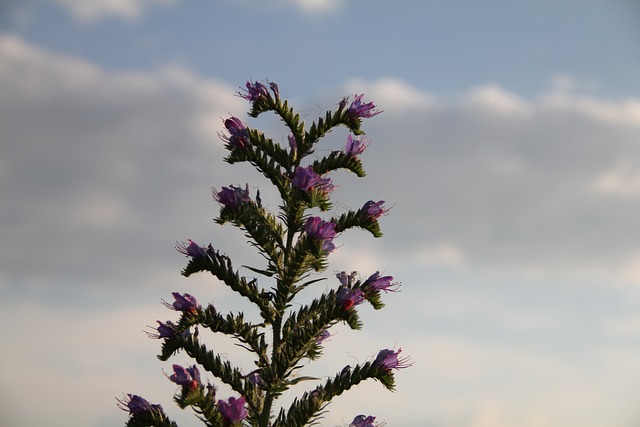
(355, 145)
(293, 144)
(275, 89)
(255, 91)
(189, 378)
(184, 303)
(135, 404)
(363, 421)
(164, 330)
(323, 336)
(192, 249)
(306, 179)
(384, 283)
(254, 378)
(238, 133)
(231, 196)
(347, 297)
(321, 231)
(374, 209)
(358, 109)
(346, 280)
(233, 411)
(388, 359)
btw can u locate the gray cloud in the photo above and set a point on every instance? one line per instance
(101, 171)
(88, 12)
(545, 186)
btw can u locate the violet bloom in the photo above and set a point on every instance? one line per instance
(355, 145)
(388, 359)
(363, 421)
(321, 231)
(232, 196)
(233, 411)
(323, 336)
(374, 210)
(188, 378)
(347, 298)
(254, 378)
(293, 144)
(135, 404)
(238, 133)
(164, 330)
(254, 91)
(384, 283)
(192, 249)
(306, 179)
(360, 110)
(184, 303)
(275, 89)
(346, 280)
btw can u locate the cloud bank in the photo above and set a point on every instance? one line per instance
(87, 12)
(101, 171)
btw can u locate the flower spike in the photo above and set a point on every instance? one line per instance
(295, 245)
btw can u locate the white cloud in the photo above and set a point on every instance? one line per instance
(623, 180)
(102, 171)
(315, 6)
(100, 155)
(446, 255)
(518, 191)
(394, 94)
(87, 11)
(620, 112)
(494, 98)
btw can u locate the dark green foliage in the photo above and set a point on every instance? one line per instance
(221, 267)
(262, 228)
(154, 417)
(358, 219)
(310, 405)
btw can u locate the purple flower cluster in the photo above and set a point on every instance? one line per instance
(188, 378)
(192, 249)
(348, 297)
(135, 404)
(321, 231)
(388, 359)
(255, 90)
(184, 303)
(346, 280)
(363, 421)
(360, 110)
(238, 133)
(232, 411)
(231, 196)
(355, 146)
(374, 210)
(377, 283)
(306, 179)
(164, 330)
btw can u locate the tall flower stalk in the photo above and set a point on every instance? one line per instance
(294, 244)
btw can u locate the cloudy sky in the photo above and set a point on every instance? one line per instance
(509, 148)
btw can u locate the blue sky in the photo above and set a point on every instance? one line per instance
(508, 147)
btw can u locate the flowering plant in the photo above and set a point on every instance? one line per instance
(294, 244)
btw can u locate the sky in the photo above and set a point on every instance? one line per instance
(508, 149)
